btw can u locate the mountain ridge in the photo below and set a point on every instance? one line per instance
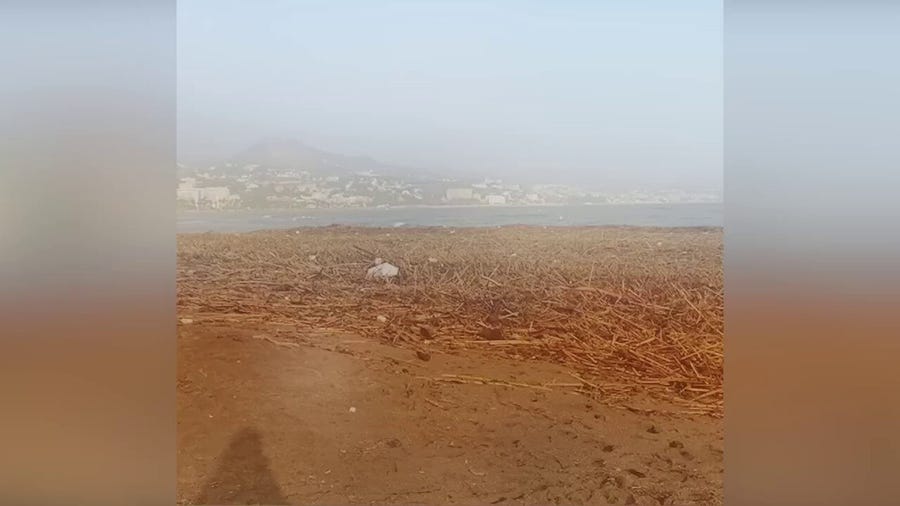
(292, 153)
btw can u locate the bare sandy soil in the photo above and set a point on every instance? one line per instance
(275, 415)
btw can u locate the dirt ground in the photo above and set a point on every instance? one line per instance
(332, 418)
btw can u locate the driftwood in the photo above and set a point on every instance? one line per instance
(632, 309)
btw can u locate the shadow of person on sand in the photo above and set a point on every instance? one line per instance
(242, 475)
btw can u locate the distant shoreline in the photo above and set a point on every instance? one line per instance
(664, 215)
(439, 206)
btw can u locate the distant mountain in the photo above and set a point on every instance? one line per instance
(294, 154)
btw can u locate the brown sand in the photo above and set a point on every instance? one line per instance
(265, 390)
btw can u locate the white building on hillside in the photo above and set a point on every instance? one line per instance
(496, 200)
(216, 196)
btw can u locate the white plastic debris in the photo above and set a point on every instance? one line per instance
(312, 258)
(352, 409)
(432, 260)
(187, 321)
(381, 318)
(382, 270)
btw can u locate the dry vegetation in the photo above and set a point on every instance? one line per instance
(632, 310)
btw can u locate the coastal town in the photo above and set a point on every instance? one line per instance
(257, 186)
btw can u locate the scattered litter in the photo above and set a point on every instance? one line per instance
(381, 318)
(187, 321)
(352, 409)
(312, 258)
(382, 270)
(476, 473)
(432, 260)
(637, 473)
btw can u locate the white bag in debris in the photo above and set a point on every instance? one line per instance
(382, 270)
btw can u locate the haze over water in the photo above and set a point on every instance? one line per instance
(645, 215)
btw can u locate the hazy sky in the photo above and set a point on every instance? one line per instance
(610, 93)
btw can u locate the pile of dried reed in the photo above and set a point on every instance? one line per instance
(631, 309)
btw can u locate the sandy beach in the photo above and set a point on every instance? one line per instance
(513, 365)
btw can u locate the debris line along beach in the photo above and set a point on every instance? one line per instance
(630, 310)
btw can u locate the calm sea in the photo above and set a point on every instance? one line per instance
(651, 215)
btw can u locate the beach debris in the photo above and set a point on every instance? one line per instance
(187, 321)
(382, 270)
(611, 307)
(637, 473)
(491, 333)
(441, 406)
(432, 260)
(474, 472)
(353, 409)
(312, 258)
